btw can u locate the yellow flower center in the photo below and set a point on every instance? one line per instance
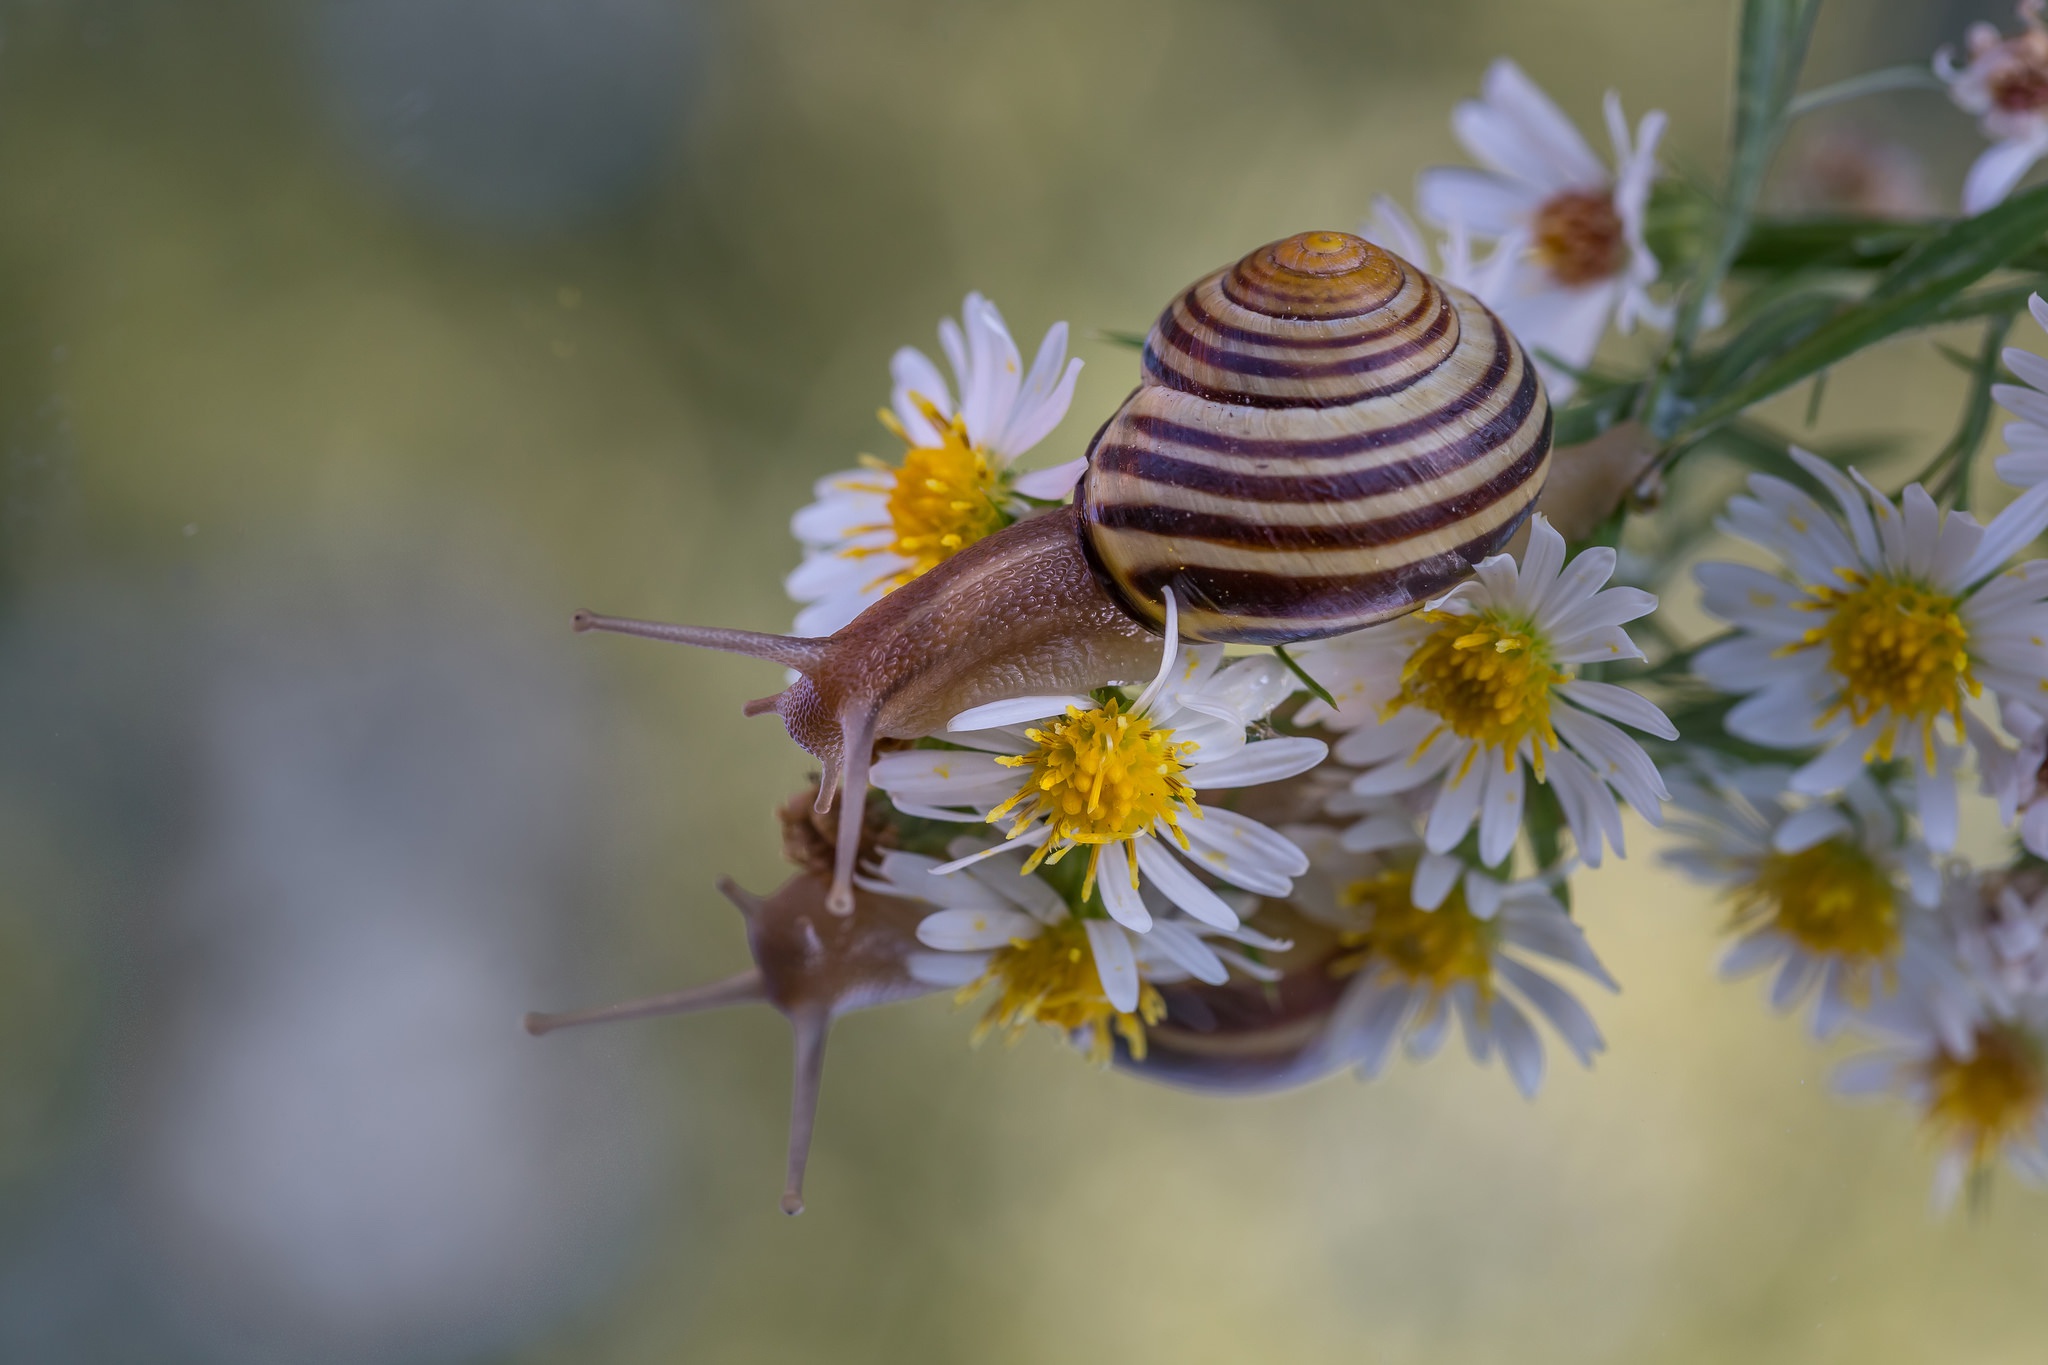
(1051, 979)
(1897, 648)
(1487, 678)
(1832, 900)
(1099, 777)
(943, 499)
(1438, 948)
(1995, 1095)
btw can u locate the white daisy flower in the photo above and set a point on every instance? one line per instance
(2016, 779)
(1573, 228)
(1120, 779)
(1088, 977)
(2025, 462)
(1985, 1102)
(1430, 939)
(1483, 682)
(874, 529)
(1832, 896)
(1998, 926)
(2005, 86)
(1888, 619)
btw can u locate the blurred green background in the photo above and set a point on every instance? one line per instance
(346, 347)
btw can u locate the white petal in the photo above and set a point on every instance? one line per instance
(1559, 1006)
(1244, 852)
(1810, 828)
(1457, 803)
(1996, 170)
(1266, 760)
(1116, 966)
(1520, 1049)
(1054, 484)
(1017, 711)
(1435, 875)
(946, 970)
(1618, 703)
(1119, 896)
(1487, 204)
(1181, 886)
(1500, 813)
(966, 931)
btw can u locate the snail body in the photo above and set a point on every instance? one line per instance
(1324, 437)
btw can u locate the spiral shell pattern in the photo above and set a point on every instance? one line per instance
(1325, 437)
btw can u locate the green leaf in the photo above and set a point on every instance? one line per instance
(1787, 245)
(1293, 666)
(1911, 294)
(1134, 340)
(1916, 76)
(1770, 49)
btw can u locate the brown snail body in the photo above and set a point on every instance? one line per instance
(1324, 438)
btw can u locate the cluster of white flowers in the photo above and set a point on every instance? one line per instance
(1479, 749)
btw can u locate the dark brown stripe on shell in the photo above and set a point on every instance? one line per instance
(1312, 608)
(1132, 461)
(1211, 356)
(1181, 524)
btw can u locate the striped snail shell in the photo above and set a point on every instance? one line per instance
(1324, 438)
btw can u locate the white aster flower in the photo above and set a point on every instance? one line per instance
(1832, 896)
(1998, 927)
(1984, 1102)
(1483, 683)
(1120, 780)
(1088, 977)
(1888, 619)
(1573, 228)
(1431, 939)
(2017, 780)
(874, 529)
(2005, 85)
(2025, 462)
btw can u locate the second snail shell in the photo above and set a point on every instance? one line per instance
(1325, 437)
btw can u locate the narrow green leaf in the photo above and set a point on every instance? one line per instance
(1321, 693)
(1885, 80)
(1770, 49)
(1134, 340)
(1910, 294)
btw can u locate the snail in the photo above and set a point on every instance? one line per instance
(811, 966)
(1245, 1037)
(1323, 438)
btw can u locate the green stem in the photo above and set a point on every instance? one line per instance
(1955, 459)
(1880, 82)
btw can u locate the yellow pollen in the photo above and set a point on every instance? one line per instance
(1437, 948)
(1051, 980)
(1099, 777)
(1899, 650)
(943, 499)
(1833, 901)
(1995, 1095)
(1487, 678)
